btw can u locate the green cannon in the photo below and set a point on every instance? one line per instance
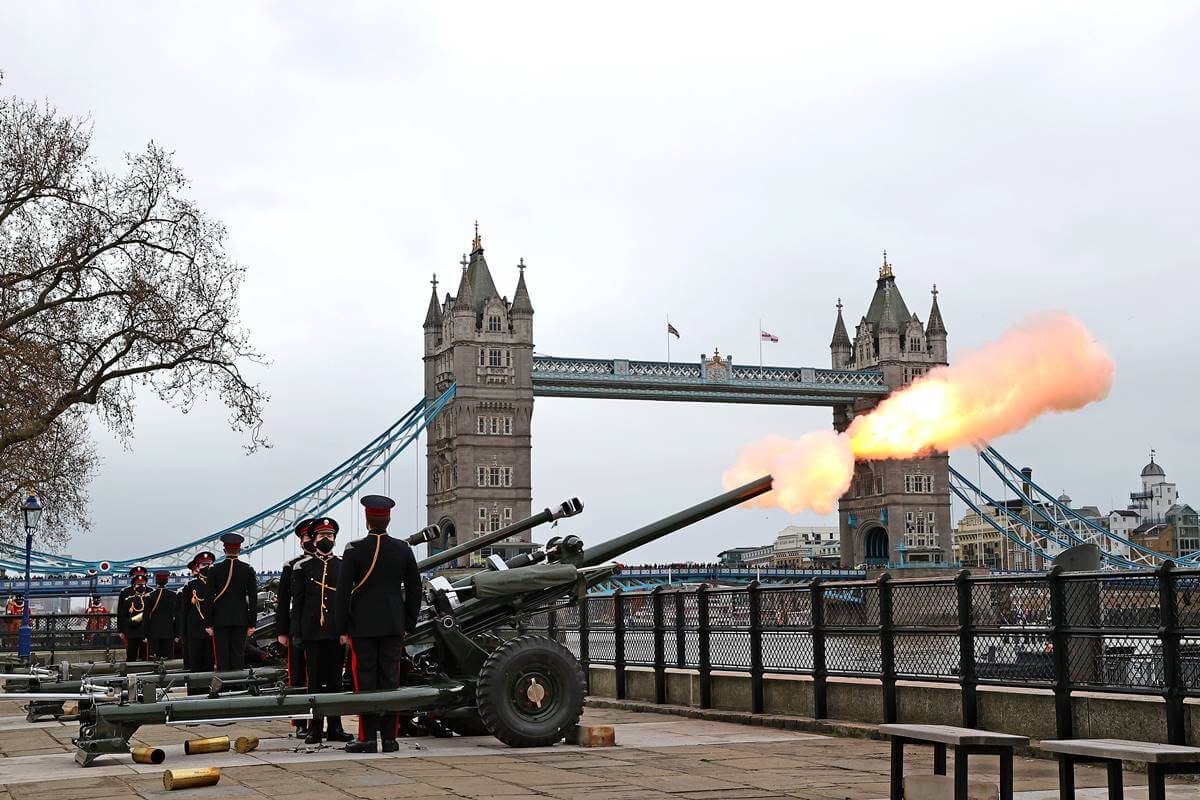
(468, 669)
(47, 696)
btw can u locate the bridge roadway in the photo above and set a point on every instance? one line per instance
(632, 577)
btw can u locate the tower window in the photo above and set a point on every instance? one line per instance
(494, 323)
(481, 424)
(507, 426)
(482, 357)
(495, 358)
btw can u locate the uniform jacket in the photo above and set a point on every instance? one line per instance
(130, 602)
(191, 615)
(379, 587)
(231, 595)
(162, 604)
(283, 596)
(313, 605)
(95, 614)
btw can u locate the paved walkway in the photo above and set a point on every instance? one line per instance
(659, 758)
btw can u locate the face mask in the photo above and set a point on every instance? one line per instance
(325, 545)
(307, 545)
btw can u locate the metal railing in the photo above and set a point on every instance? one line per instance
(53, 633)
(1135, 632)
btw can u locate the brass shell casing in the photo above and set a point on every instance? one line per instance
(245, 744)
(190, 778)
(217, 744)
(147, 755)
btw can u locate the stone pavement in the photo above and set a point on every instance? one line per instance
(659, 757)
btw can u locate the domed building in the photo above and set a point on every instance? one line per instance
(1155, 518)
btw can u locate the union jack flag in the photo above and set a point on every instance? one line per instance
(671, 330)
(768, 337)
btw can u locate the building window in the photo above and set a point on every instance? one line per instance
(507, 515)
(481, 475)
(481, 424)
(914, 343)
(495, 426)
(496, 357)
(918, 484)
(482, 357)
(507, 426)
(494, 323)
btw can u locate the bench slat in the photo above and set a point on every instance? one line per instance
(1124, 749)
(958, 737)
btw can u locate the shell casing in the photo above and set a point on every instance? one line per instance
(217, 744)
(190, 778)
(245, 744)
(147, 755)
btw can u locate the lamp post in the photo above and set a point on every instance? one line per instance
(31, 509)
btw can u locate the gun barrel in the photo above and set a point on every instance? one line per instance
(607, 551)
(567, 509)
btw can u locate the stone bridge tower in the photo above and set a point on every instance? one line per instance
(896, 510)
(478, 452)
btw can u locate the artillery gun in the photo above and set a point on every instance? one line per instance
(467, 668)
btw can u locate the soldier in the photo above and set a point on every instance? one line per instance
(161, 625)
(378, 598)
(283, 614)
(131, 615)
(96, 619)
(197, 644)
(314, 585)
(230, 605)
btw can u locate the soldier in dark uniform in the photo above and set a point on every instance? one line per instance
(230, 605)
(283, 615)
(378, 598)
(131, 615)
(197, 644)
(314, 586)
(161, 628)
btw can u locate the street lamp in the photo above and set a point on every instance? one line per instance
(31, 509)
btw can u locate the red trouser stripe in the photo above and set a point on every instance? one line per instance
(354, 677)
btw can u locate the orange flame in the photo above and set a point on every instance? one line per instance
(1048, 363)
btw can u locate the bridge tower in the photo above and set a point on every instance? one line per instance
(895, 511)
(478, 452)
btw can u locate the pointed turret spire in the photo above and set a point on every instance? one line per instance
(477, 244)
(840, 337)
(483, 288)
(521, 303)
(465, 299)
(885, 271)
(887, 321)
(433, 317)
(935, 326)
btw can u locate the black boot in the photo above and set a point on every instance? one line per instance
(335, 732)
(361, 747)
(301, 727)
(390, 745)
(314, 732)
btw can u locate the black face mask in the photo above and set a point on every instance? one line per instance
(324, 545)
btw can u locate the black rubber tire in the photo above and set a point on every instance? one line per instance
(519, 662)
(468, 726)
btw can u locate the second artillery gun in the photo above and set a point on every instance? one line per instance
(468, 668)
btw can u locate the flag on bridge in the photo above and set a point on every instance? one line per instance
(768, 337)
(671, 330)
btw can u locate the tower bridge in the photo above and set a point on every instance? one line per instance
(481, 377)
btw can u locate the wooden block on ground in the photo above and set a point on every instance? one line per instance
(941, 787)
(593, 736)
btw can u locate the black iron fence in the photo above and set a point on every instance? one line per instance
(1127, 632)
(62, 632)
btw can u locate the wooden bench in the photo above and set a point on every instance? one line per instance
(1160, 760)
(965, 741)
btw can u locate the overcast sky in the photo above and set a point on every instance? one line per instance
(720, 164)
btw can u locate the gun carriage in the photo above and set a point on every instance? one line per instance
(468, 669)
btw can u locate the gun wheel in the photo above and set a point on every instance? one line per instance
(530, 692)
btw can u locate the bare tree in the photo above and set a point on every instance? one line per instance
(109, 282)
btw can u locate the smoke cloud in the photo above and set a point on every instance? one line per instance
(1048, 363)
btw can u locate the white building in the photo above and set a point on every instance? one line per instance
(799, 545)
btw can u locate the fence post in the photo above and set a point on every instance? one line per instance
(680, 630)
(1060, 641)
(619, 641)
(754, 593)
(887, 647)
(660, 657)
(966, 649)
(703, 662)
(585, 662)
(51, 634)
(1172, 672)
(820, 698)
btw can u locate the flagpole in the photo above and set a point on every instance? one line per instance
(760, 338)
(668, 340)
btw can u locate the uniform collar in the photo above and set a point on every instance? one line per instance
(377, 533)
